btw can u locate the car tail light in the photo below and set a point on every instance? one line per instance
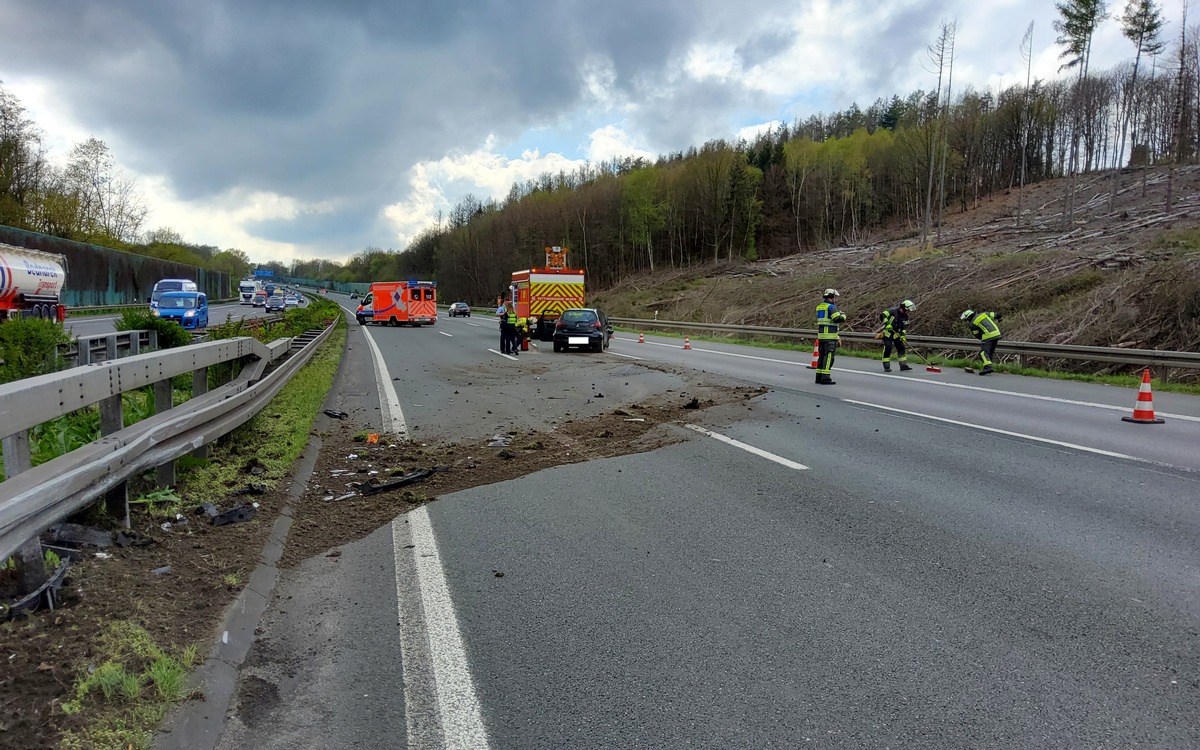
(598, 324)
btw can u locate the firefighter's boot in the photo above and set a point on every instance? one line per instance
(904, 366)
(887, 366)
(987, 370)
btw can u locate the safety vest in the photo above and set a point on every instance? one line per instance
(828, 319)
(512, 318)
(985, 326)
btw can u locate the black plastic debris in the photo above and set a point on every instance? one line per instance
(46, 595)
(693, 404)
(336, 414)
(254, 488)
(374, 486)
(239, 514)
(73, 533)
(206, 509)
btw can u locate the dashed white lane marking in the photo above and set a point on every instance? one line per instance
(451, 335)
(498, 353)
(922, 381)
(749, 448)
(998, 431)
(627, 356)
(477, 325)
(457, 705)
(393, 416)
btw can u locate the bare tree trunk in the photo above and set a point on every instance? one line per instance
(945, 139)
(1027, 54)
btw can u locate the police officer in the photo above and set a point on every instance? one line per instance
(984, 327)
(829, 321)
(895, 333)
(502, 316)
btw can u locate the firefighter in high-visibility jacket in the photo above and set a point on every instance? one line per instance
(829, 321)
(895, 333)
(985, 328)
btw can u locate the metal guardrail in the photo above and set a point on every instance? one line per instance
(103, 346)
(136, 306)
(33, 498)
(1023, 349)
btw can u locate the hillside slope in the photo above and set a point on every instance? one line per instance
(1130, 277)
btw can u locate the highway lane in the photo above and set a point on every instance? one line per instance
(919, 584)
(1079, 414)
(93, 325)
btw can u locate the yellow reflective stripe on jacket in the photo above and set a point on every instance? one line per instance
(828, 318)
(987, 326)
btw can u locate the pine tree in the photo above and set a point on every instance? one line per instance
(1141, 24)
(1076, 27)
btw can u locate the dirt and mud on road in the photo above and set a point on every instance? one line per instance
(341, 505)
(179, 575)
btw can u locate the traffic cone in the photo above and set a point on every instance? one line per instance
(687, 343)
(1143, 409)
(816, 355)
(642, 338)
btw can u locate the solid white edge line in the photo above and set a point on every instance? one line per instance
(749, 448)
(498, 353)
(921, 381)
(458, 706)
(451, 335)
(388, 399)
(1009, 433)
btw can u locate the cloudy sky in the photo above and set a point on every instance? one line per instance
(302, 128)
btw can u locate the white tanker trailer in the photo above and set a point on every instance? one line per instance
(31, 283)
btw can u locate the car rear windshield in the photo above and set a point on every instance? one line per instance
(578, 316)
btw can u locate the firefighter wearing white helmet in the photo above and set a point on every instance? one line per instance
(829, 321)
(985, 328)
(895, 333)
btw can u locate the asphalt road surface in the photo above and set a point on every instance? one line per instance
(897, 561)
(93, 325)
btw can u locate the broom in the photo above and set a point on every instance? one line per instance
(928, 367)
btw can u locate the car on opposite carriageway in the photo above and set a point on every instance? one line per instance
(460, 309)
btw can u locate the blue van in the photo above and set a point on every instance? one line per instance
(171, 285)
(189, 309)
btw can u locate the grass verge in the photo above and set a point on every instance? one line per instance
(128, 683)
(125, 689)
(1124, 381)
(275, 437)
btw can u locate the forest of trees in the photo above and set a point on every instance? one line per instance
(823, 181)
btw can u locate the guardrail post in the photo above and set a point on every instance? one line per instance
(199, 388)
(163, 400)
(110, 346)
(112, 419)
(83, 352)
(135, 342)
(31, 570)
(152, 337)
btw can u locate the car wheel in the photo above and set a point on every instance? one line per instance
(361, 320)
(599, 347)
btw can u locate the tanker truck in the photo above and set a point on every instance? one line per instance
(31, 283)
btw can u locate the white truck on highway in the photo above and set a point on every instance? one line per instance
(31, 283)
(247, 288)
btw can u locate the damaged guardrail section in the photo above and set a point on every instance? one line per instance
(33, 498)
(1023, 349)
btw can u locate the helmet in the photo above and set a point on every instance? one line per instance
(967, 314)
(832, 293)
(908, 305)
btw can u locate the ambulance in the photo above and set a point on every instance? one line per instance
(541, 294)
(401, 303)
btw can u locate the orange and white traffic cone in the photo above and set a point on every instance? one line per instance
(642, 337)
(816, 355)
(687, 343)
(1143, 410)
